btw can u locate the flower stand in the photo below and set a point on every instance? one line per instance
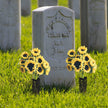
(83, 84)
(36, 86)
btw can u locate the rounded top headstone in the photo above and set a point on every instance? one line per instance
(45, 8)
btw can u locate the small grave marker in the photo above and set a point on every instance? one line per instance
(25, 7)
(47, 3)
(75, 5)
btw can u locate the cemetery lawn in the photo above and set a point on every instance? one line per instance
(15, 87)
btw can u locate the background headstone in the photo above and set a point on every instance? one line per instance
(107, 14)
(10, 17)
(47, 3)
(53, 33)
(75, 5)
(25, 7)
(94, 24)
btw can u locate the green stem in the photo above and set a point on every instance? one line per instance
(82, 74)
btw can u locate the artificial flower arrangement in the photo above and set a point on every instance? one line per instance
(34, 64)
(81, 62)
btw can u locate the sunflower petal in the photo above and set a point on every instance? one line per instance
(69, 67)
(24, 55)
(71, 53)
(35, 52)
(47, 71)
(82, 50)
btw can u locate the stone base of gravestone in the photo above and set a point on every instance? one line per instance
(25, 7)
(94, 24)
(53, 33)
(10, 17)
(47, 3)
(75, 5)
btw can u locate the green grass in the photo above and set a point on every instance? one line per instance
(15, 87)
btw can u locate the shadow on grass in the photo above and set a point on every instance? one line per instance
(59, 88)
(28, 87)
(10, 51)
(91, 50)
(51, 89)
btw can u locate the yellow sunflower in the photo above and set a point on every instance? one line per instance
(87, 68)
(77, 64)
(22, 62)
(92, 62)
(86, 57)
(94, 69)
(68, 60)
(69, 67)
(82, 49)
(71, 53)
(40, 59)
(40, 70)
(31, 58)
(47, 71)
(30, 66)
(45, 64)
(22, 69)
(24, 55)
(78, 56)
(35, 52)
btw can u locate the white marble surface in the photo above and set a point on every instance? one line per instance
(53, 33)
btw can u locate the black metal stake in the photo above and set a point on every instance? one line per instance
(36, 86)
(83, 84)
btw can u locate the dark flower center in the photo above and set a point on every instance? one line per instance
(82, 49)
(93, 62)
(71, 53)
(30, 66)
(31, 58)
(68, 67)
(86, 58)
(86, 67)
(35, 51)
(46, 64)
(25, 55)
(22, 61)
(39, 69)
(69, 59)
(77, 64)
(78, 57)
(39, 60)
(22, 69)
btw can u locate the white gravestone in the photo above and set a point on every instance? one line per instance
(25, 7)
(47, 3)
(75, 5)
(94, 24)
(107, 14)
(53, 33)
(10, 24)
